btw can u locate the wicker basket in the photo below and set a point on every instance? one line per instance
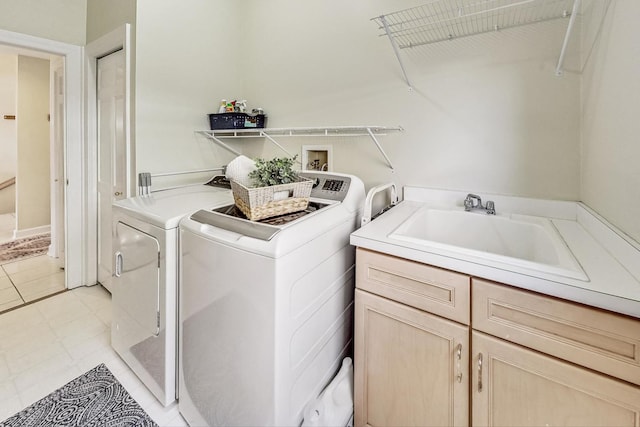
(258, 203)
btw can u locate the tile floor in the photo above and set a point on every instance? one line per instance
(48, 343)
(29, 279)
(26, 280)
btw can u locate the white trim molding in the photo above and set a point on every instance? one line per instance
(28, 232)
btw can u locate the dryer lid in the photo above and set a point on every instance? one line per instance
(164, 209)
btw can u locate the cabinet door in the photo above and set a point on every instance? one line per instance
(514, 386)
(411, 367)
(135, 302)
(136, 290)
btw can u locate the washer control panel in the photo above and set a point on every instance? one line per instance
(328, 186)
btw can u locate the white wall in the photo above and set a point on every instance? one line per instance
(611, 118)
(8, 159)
(104, 16)
(33, 178)
(487, 113)
(186, 62)
(60, 20)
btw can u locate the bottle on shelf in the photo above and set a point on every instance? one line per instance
(223, 106)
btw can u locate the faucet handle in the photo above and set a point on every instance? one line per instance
(491, 207)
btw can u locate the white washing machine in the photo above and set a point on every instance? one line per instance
(266, 307)
(144, 294)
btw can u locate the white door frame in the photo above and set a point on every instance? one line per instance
(75, 156)
(120, 38)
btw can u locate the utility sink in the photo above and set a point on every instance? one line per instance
(515, 242)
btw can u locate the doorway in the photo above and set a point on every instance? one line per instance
(74, 178)
(33, 154)
(28, 131)
(32, 146)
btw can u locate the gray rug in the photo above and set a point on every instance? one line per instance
(94, 399)
(24, 248)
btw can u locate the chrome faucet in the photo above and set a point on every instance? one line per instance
(474, 202)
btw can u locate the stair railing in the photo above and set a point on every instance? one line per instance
(8, 183)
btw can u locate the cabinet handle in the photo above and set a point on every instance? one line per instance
(479, 372)
(118, 271)
(458, 362)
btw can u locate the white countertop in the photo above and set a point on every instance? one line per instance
(609, 259)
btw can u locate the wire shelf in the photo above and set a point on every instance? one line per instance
(302, 131)
(269, 133)
(442, 20)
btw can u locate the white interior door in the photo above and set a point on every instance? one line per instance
(112, 166)
(57, 248)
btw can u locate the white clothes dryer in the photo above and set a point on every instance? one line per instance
(144, 293)
(266, 307)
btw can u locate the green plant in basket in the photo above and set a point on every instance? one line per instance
(274, 172)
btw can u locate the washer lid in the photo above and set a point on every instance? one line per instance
(164, 209)
(256, 230)
(232, 219)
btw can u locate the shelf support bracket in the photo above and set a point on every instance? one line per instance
(396, 50)
(278, 145)
(563, 51)
(222, 144)
(375, 140)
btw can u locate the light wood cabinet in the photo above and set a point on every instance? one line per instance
(513, 386)
(411, 366)
(600, 340)
(435, 347)
(432, 289)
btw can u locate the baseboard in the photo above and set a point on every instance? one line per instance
(21, 234)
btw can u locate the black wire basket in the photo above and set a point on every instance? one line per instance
(237, 121)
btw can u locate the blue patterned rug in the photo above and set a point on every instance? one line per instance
(94, 399)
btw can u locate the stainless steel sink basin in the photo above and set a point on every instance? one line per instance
(512, 240)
